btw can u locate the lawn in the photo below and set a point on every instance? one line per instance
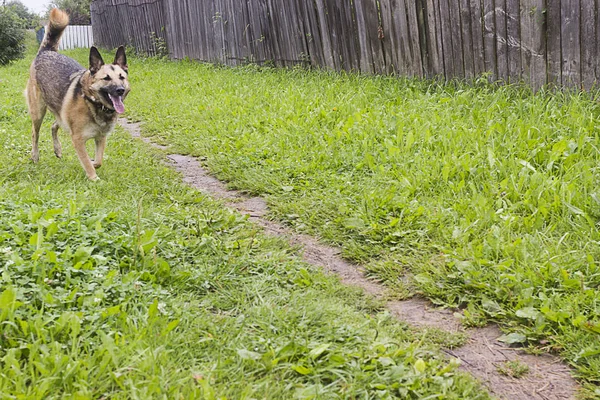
(139, 287)
(486, 196)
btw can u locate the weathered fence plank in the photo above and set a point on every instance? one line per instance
(312, 32)
(464, 8)
(412, 22)
(513, 39)
(477, 34)
(389, 37)
(457, 39)
(439, 38)
(589, 32)
(254, 32)
(448, 47)
(570, 42)
(402, 49)
(330, 59)
(597, 44)
(344, 36)
(193, 16)
(501, 39)
(434, 65)
(553, 37)
(366, 55)
(489, 38)
(421, 52)
(533, 42)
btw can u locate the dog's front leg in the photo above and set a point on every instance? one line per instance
(84, 158)
(100, 146)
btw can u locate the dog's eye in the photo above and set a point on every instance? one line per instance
(107, 78)
(121, 77)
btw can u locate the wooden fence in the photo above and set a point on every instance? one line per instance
(536, 41)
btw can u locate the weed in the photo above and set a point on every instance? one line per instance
(159, 43)
(514, 369)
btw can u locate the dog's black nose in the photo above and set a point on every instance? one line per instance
(120, 92)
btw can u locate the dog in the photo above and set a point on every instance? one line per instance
(85, 102)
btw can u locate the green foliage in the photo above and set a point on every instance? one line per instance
(160, 46)
(485, 197)
(78, 10)
(12, 36)
(140, 287)
(31, 19)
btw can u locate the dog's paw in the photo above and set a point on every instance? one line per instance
(94, 178)
(96, 164)
(35, 157)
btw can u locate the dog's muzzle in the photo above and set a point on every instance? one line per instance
(115, 95)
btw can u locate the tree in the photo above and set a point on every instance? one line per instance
(30, 18)
(78, 10)
(12, 36)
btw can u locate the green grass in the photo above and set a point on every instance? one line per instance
(138, 287)
(486, 196)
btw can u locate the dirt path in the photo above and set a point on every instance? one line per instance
(548, 377)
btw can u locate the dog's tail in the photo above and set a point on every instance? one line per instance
(56, 26)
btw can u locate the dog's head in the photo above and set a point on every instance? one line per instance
(108, 82)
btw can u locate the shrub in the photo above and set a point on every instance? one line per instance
(12, 36)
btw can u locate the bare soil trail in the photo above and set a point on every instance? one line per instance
(548, 377)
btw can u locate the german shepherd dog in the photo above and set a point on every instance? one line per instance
(85, 103)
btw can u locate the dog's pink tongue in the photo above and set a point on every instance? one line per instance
(118, 103)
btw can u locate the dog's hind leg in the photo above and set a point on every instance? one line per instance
(35, 138)
(56, 140)
(37, 111)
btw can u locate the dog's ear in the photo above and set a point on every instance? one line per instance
(121, 59)
(96, 61)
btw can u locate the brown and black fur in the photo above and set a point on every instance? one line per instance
(85, 102)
